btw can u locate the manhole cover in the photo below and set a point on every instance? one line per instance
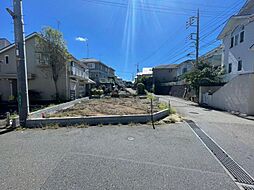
(131, 138)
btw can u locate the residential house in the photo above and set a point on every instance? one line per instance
(183, 68)
(72, 83)
(100, 72)
(163, 75)
(213, 57)
(238, 60)
(168, 78)
(4, 43)
(238, 39)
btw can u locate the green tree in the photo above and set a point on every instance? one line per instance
(204, 74)
(147, 81)
(54, 51)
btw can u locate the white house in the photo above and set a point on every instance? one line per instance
(236, 95)
(238, 39)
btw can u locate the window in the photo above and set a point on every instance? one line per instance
(242, 37)
(7, 59)
(232, 42)
(240, 65)
(229, 67)
(184, 70)
(236, 39)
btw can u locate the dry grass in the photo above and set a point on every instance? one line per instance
(112, 106)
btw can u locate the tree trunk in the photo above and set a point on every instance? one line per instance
(57, 92)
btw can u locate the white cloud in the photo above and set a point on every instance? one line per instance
(81, 39)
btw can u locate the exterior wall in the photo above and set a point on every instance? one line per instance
(237, 95)
(214, 57)
(239, 52)
(43, 82)
(5, 90)
(162, 78)
(183, 68)
(164, 75)
(206, 90)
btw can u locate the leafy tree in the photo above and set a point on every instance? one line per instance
(53, 49)
(147, 81)
(204, 74)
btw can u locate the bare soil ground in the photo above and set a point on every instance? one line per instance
(111, 106)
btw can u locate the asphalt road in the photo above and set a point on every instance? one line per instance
(109, 157)
(234, 134)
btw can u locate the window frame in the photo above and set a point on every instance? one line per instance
(237, 39)
(232, 41)
(230, 68)
(242, 36)
(240, 62)
(6, 59)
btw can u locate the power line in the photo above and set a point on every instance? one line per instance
(160, 47)
(149, 7)
(210, 32)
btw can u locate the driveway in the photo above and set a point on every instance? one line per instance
(109, 157)
(234, 134)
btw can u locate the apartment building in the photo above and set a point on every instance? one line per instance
(99, 72)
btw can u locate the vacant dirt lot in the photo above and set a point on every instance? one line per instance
(112, 106)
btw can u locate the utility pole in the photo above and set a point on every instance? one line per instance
(197, 42)
(23, 103)
(58, 24)
(87, 48)
(137, 67)
(194, 21)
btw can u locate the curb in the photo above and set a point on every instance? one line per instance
(96, 120)
(7, 130)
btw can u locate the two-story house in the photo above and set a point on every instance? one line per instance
(72, 83)
(183, 68)
(238, 39)
(99, 72)
(213, 57)
(163, 75)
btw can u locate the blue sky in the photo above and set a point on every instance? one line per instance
(123, 33)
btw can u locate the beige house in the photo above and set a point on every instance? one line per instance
(73, 81)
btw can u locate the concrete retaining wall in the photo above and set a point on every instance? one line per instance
(47, 111)
(235, 96)
(56, 108)
(96, 120)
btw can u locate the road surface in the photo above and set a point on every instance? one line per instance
(234, 134)
(109, 157)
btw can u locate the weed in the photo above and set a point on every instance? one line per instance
(172, 110)
(163, 106)
(82, 126)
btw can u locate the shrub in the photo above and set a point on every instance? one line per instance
(97, 92)
(140, 89)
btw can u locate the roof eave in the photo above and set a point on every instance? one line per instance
(13, 44)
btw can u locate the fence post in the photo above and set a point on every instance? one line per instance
(8, 119)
